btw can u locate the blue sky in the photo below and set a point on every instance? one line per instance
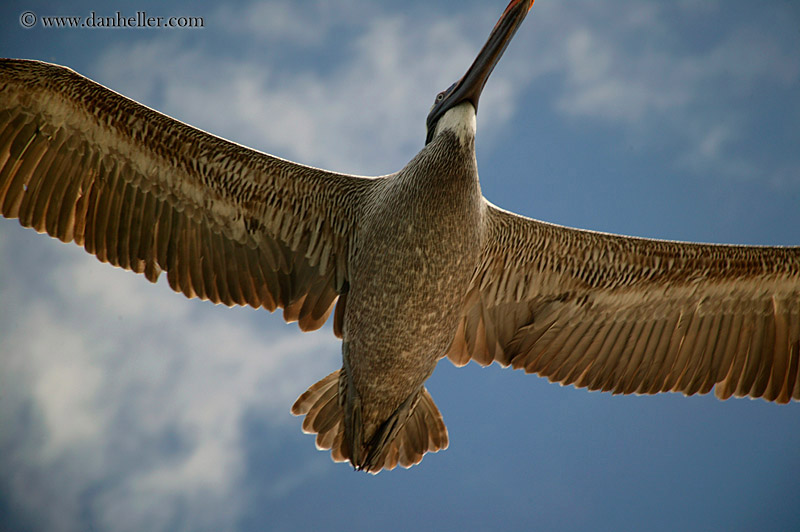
(124, 406)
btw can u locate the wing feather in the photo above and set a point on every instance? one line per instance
(630, 372)
(149, 194)
(632, 315)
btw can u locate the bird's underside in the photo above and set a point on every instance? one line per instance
(232, 225)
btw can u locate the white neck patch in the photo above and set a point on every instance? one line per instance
(460, 120)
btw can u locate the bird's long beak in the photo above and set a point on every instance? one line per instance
(469, 87)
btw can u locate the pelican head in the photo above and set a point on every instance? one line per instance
(469, 87)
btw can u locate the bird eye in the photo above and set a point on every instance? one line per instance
(442, 95)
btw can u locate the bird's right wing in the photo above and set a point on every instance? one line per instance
(632, 315)
(148, 193)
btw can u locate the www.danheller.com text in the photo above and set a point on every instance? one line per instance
(141, 19)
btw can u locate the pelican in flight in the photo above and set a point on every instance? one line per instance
(415, 266)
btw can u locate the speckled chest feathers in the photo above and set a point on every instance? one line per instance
(417, 248)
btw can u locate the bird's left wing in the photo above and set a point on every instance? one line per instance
(632, 315)
(148, 193)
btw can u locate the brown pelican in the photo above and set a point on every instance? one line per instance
(417, 264)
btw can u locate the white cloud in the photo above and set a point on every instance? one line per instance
(598, 86)
(278, 22)
(128, 385)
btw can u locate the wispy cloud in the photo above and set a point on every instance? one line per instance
(627, 65)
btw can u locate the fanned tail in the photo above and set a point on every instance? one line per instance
(423, 432)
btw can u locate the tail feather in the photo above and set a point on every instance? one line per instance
(306, 401)
(437, 432)
(324, 415)
(424, 430)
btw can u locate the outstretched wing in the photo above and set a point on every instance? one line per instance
(148, 193)
(631, 315)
